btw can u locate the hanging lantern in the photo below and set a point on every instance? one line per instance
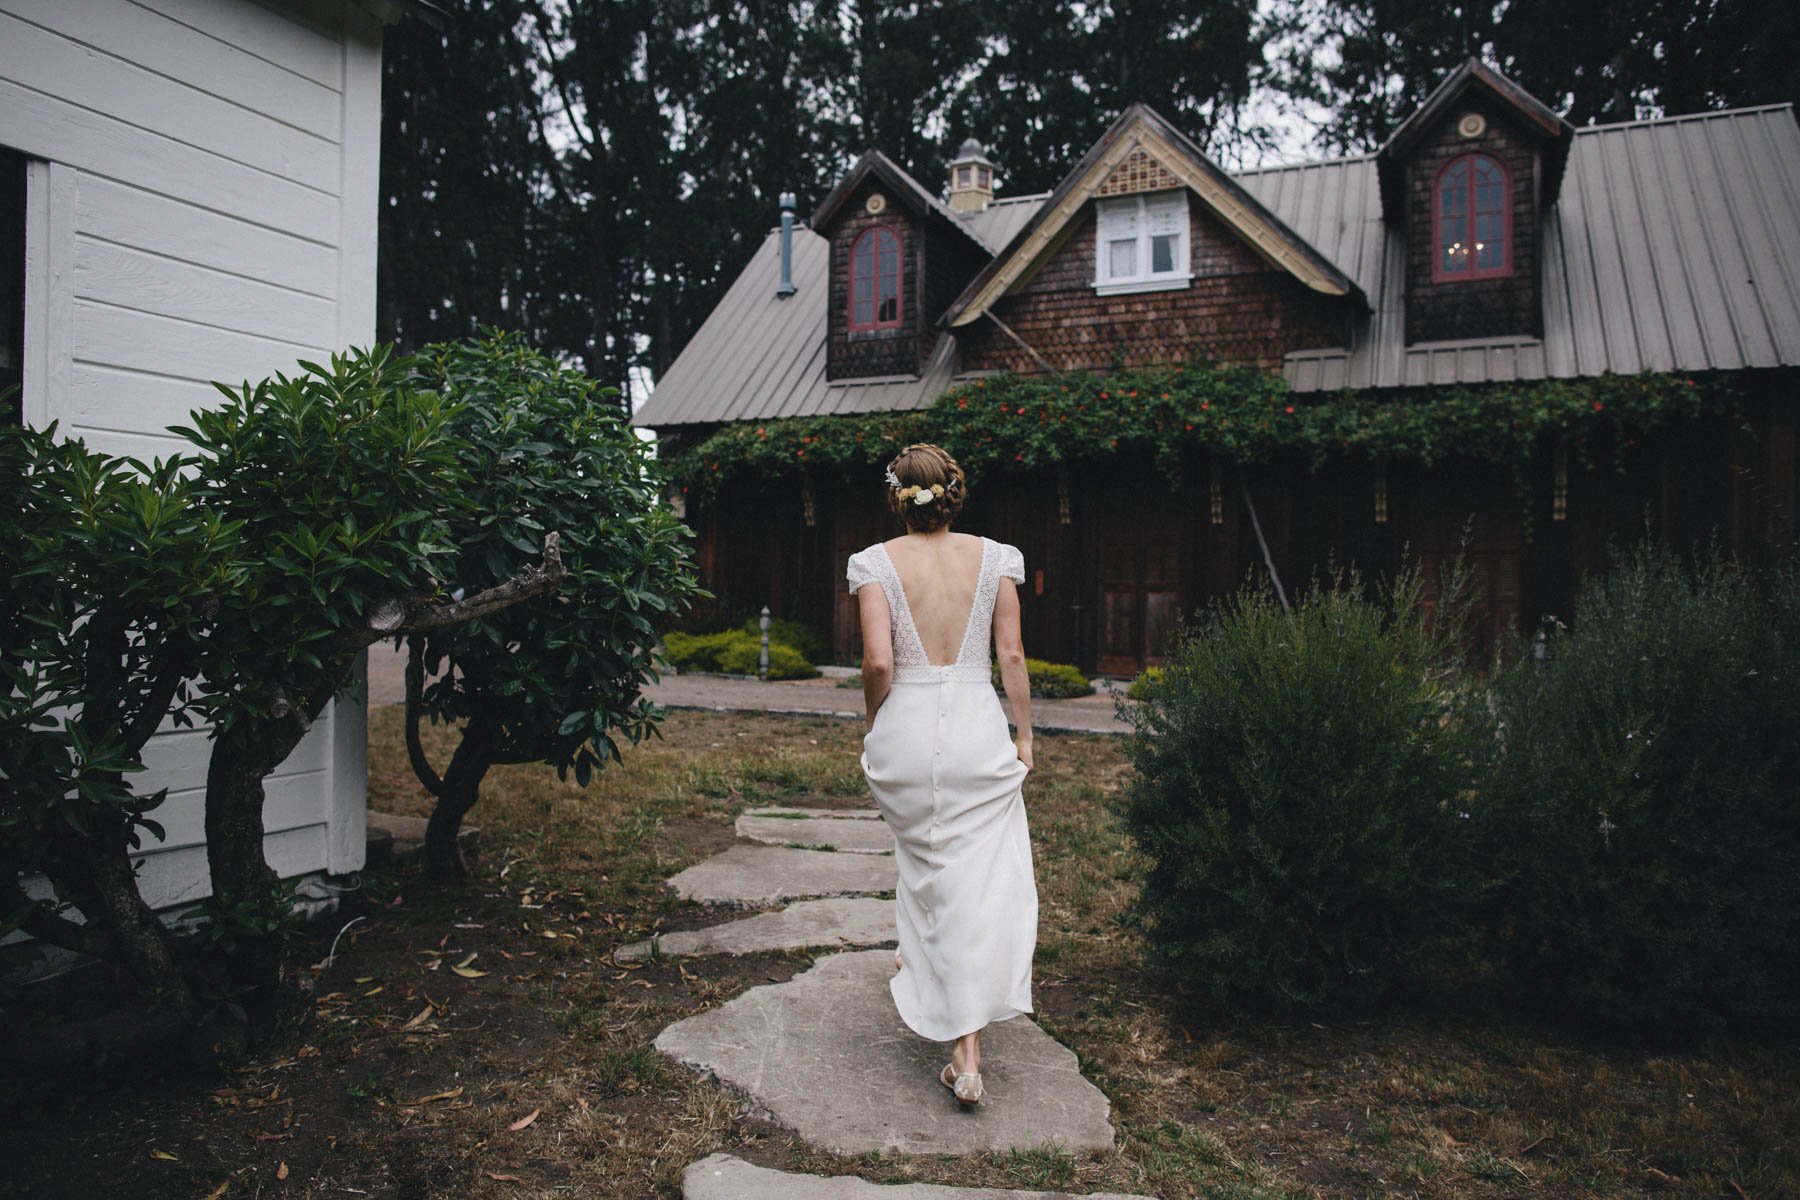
(806, 504)
(1381, 496)
(1062, 500)
(1216, 496)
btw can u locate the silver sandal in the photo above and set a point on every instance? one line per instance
(966, 1088)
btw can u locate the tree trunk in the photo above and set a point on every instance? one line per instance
(460, 790)
(139, 940)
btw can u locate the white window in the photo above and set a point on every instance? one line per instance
(1141, 243)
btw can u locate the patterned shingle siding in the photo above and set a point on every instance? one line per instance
(1673, 245)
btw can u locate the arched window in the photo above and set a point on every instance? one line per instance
(875, 279)
(1472, 238)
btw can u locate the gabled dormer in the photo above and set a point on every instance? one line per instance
(1147, 254)
(898, 257)
(1466, 179)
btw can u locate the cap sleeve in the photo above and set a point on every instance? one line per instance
(1012, 563)
(858, 571)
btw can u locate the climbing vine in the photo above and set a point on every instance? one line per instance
(1240, 414)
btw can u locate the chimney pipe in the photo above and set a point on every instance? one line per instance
(786, 287)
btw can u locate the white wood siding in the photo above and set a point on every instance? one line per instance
(202, 207)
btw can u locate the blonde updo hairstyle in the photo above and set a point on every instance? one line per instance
(926, 466)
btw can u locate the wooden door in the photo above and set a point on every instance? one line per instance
(1140, 591)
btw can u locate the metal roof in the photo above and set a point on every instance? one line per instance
(996, 224)
(1674, 245)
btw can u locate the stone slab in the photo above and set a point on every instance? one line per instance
(805, 923)
(847, 835)
(853, 814)
(826, 1055)
(727, 1177)
(394, 838)
(747, 875)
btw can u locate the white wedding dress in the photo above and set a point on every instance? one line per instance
(941, 763)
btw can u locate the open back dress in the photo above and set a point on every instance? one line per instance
(941, 763)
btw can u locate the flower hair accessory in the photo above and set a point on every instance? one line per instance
(918, 495)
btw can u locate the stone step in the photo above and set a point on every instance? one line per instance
(865, 813)
(803, 924)
(850, 835)
(726, 1177)
(757, 875)
(394, 838)
(826, 1055)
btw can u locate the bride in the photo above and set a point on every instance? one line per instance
(941, 765)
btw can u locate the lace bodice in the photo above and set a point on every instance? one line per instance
(910, 662)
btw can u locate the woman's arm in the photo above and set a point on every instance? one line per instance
(1013, 676)
(878, 649)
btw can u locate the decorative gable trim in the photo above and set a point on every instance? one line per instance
(1140, 147)
(1138, 173)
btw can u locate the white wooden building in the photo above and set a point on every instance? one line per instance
(200, 191)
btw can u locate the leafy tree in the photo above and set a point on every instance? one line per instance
(556, 679)
(109, 579)
(467, 211)
(238, 587)
(1371, 62)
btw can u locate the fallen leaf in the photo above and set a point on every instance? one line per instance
(469, 972)
(498, 1178)
(424, 1015)
(364, 979)
(523, 1121)
(164, 1155)
(452, 1094)
(374, 991)
(281, 1172)
(219, 1191)
(473, 955)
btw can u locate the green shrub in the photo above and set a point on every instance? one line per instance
(1645, 803)
(1052, 681)
(743, 655)
(1142, 686)
(811, 644)
(734, 652)
(1299, 794)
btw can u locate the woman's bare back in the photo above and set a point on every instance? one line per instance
(939, 573)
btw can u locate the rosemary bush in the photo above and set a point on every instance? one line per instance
(1643, 816)
(1302, 794)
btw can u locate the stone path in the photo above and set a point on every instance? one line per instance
(725, 1177)
(808, 923)
(825, 1054)
(845, 834)
(813, 697)
(747, 876)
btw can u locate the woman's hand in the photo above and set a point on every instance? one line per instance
(1022, 746)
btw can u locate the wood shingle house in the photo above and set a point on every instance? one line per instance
(190, 190)
(1486, 246)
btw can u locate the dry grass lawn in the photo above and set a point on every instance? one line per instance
(531, 1073)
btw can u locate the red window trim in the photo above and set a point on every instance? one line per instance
(850, 320)
(1438, 274)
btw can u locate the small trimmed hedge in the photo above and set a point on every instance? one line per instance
(1145, 682)
(1052, 681)
(734, 652)
(811, 644)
